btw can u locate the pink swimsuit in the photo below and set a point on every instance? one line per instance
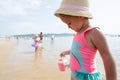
(82, 62)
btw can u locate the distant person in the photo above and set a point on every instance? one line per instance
(41, 40)
(52, 37)
(87, 40)
(17, 37)
(41, 37)
(36, 42)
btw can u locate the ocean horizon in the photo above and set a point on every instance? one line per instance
(55, 35)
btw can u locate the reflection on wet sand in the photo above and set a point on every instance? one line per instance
(37, 56)
(22, 65)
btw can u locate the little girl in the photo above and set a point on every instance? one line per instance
(86, 42)
(36, 42)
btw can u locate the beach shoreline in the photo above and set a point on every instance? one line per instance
(14, 66)
(6, 47)
(19, 62)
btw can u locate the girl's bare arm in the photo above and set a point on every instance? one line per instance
(100, 43)
(67, 52)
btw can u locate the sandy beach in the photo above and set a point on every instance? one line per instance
(19, 62)
(29, 66)
(6, 49)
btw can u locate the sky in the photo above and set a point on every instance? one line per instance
(35, 16)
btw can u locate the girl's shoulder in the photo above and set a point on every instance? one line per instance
(91, 31)
(95, 33)
(97, 36)
(93, 36)
(91, 28)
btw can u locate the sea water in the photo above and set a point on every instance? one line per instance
(52, 49)
(63, 43)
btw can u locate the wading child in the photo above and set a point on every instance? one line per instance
(87, 40)
(36, 42)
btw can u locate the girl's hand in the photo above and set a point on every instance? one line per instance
(64, 53)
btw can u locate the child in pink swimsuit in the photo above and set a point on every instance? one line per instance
(86, 42)
(82, 62)
(36, 42)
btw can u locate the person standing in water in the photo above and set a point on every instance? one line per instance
(41, 40)
(41, 37)
(86, 42)
(36, 42)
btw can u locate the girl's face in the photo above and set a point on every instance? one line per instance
(73, 22)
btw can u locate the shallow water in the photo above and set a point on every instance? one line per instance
(24, 64)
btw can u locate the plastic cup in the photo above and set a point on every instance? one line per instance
(61, 66)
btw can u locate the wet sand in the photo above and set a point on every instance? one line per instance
(21, 63)
(6, 49)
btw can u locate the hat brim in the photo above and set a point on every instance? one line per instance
(73, 13)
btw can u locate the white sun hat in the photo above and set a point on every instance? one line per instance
(74, 8)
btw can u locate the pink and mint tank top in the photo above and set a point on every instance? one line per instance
(82, 61)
